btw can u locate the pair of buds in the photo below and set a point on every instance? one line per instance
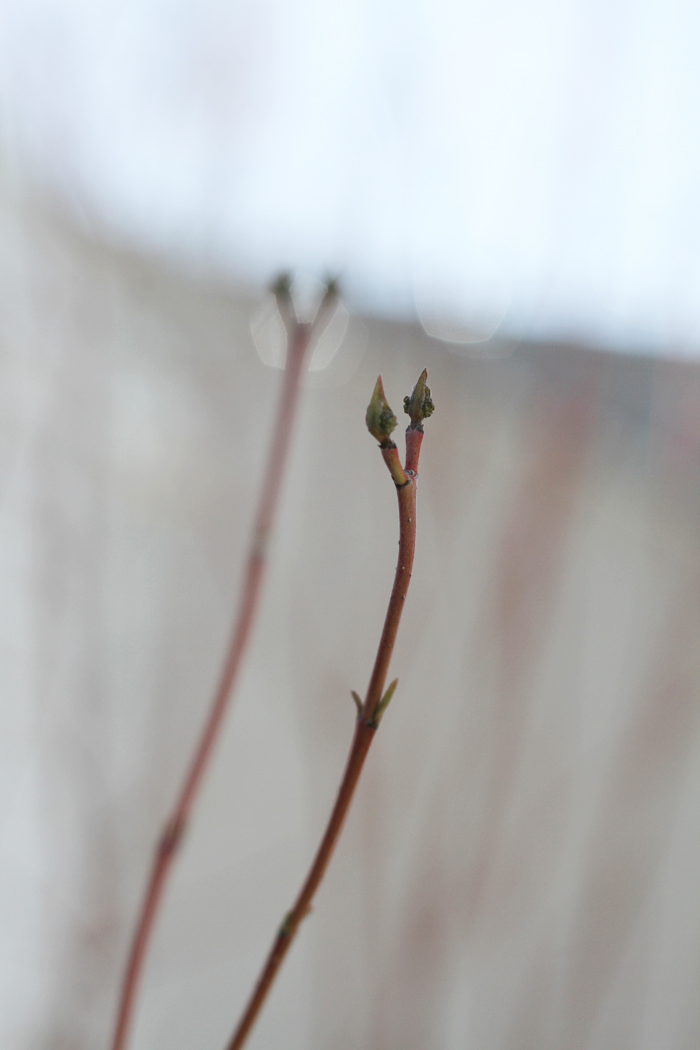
(381, 421)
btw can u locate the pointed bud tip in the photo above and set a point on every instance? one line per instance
(384, 703)
(380, 419)
(419, 405)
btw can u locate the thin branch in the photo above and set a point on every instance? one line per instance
(299, 337)
(380, 421)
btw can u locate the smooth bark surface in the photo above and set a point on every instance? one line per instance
(299, 338)
(365, 729)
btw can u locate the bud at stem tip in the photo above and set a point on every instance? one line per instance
(381, 421)
(419, 404)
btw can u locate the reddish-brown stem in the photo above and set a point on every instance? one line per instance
(414, 440)
(299, 337)
(364, 734)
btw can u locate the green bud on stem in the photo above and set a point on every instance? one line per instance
(419, 404)
(381, 421)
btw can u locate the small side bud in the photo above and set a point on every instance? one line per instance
(326, 307)
(332, 288)
(380, 419)
(384, 703)
(281, 288)
(419, 404)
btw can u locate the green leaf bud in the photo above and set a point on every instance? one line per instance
(419, 404)
(381, 421)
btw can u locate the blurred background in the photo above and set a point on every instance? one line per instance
(508, 194)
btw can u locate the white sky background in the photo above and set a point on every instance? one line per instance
(535, 164)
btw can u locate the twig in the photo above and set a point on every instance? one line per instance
(380, 422)
(299, 337)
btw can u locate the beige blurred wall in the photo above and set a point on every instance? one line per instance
(520, 870)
